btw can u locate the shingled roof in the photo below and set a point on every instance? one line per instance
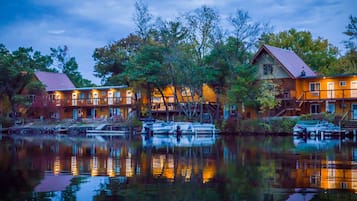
(54, 81)
(291, 62)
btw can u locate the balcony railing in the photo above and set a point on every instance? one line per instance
(95, 102)
(331, 94)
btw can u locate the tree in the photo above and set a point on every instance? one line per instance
(68, 66)
(267, 99)
(111, 62)
(142, 20)
(17, 75)
(318, 53)
(242, 90)
(146, 69)
(201, 23)
(351, 31)
(245, 33)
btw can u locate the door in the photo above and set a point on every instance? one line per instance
(75, 114)
(128, 97)
(58, 100)
(93, 113)
(354, 111)
(95, 98)
(354, 89)
(330, 90)
(117, 97)
(74, 99)
(110, 97)
(330, 107)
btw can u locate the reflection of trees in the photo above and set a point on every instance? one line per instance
(70, 192)
(18, 179)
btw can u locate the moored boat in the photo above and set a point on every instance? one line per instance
(107, 130)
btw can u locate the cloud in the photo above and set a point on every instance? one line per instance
(56, 32)
(84, 25)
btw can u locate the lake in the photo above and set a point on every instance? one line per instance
(163, 167)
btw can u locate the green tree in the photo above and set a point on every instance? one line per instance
(351, 31)
(146, 70)
(267, 99)
(17, 75)
(347, 63)
(69, 66)
(318, 53)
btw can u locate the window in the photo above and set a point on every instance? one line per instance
(30, 98)
(330, 107)
(342, 83)
(268, 69)
(314, 108)
(186, 91)
(82, 96)
(314, 87)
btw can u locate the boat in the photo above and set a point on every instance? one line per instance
(178, 128)
(107, 130)
(204, 128)
(183, 128)
(163, 141)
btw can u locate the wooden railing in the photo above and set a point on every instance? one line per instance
(330, 94)
(94, 102)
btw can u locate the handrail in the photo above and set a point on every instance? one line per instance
(299, 99)
(343, 117)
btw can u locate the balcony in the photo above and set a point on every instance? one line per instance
(90, 102)
(336, 94)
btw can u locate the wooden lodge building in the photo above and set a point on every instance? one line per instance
(88, 102)
(302, 92)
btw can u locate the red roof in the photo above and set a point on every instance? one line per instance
(54, 81)
(291, 62)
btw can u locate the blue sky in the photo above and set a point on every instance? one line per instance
(84, 25)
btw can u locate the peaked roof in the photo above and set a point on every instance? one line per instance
(54, 81)
(291, 62)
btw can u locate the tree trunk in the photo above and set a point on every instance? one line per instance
(148, 92)
(166, 107)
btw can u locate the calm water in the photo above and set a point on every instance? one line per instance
(166, 168)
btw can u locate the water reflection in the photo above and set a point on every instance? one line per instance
(189, 168)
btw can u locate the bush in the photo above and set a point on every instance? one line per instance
(280, 125)
(320, 116)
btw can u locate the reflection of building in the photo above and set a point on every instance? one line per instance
(326, 174)
(120, 160)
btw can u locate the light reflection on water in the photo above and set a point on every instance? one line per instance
(206, 167)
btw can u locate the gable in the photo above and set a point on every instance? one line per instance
(286, 60)
(269, 68)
